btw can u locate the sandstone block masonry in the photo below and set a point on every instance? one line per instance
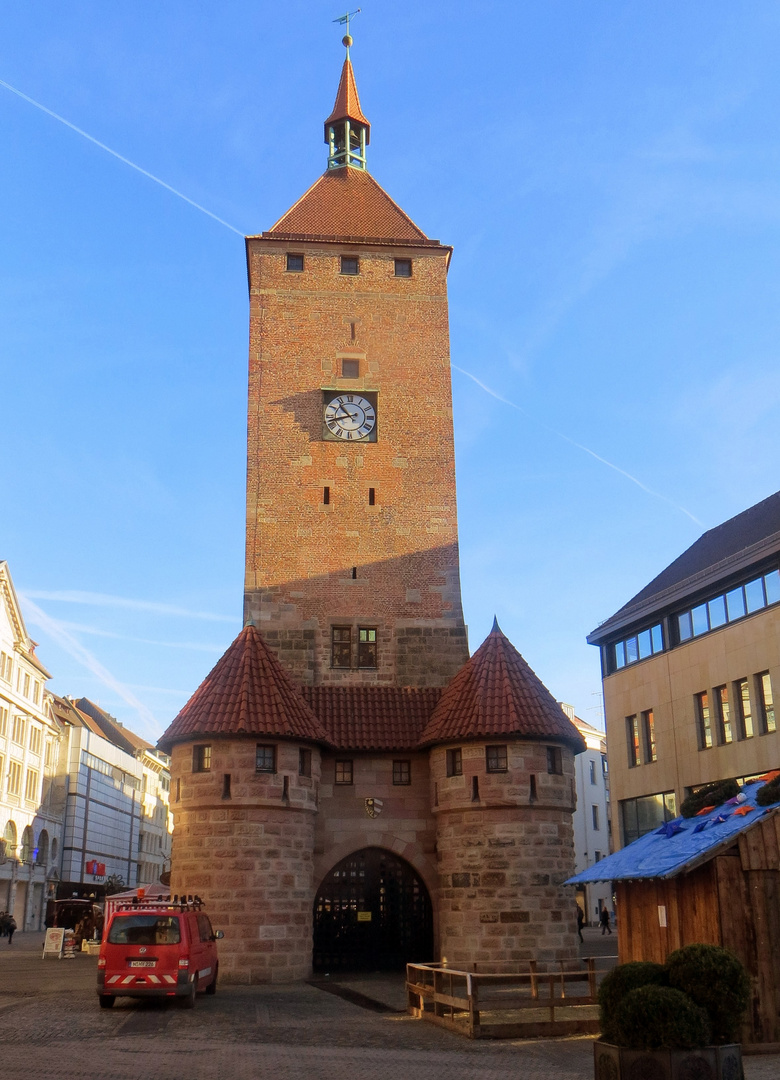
(244, 842)
(505, 844)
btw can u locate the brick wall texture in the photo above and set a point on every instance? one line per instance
(310, 564)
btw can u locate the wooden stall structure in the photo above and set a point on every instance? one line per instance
(714, 880)
(732, 900)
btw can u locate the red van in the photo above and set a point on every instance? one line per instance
(153, 949)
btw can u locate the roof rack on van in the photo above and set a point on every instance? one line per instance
(175, 902)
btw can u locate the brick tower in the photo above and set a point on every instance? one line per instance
(349, 789)
(352, 569)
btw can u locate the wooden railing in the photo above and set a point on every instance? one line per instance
(505, 1005)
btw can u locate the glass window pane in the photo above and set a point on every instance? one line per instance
(717, 610)
(658, 638)
(632, 653)
(736, 603)
(620, 655)
(670, 802)
(754, 594)
(645, 648)
(699, 619)
(772, 583)
(684, 628)
(650, 813)
(745, 709)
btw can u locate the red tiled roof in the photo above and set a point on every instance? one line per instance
(247, 693)
(497, 694)
(373, 717)
(348, 203)
(347, 106)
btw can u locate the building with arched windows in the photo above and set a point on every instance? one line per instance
(350, 789)
(31, 790)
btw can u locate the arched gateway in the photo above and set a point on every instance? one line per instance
(372, 912)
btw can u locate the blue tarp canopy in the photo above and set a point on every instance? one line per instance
(681, 844)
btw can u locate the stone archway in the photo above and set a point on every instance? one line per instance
(372, 912)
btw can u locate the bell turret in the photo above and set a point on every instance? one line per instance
(347, 131)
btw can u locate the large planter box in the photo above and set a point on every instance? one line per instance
(709, 1063)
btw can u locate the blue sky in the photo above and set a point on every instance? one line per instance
(609, 177)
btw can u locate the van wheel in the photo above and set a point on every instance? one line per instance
(106, 1001)
(189, 1000)
(212, 986)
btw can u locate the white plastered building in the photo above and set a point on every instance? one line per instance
(32, 785)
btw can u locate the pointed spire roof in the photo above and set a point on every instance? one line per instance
(347, 104)
(496, 694)
(247, 693)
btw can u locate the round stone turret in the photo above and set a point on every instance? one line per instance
(245, 773)
(502, 780)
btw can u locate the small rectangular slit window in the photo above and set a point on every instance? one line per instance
(304, 762)
(475, 789)
(294, 263)
(226, 786)
(326, 496)
(371, 497)
(532, 791)
(350, 264)
(403, 267)
(554, 763)
(455, 762)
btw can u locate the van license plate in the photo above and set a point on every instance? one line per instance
(142, 963)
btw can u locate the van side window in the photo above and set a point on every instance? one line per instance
(204, 927)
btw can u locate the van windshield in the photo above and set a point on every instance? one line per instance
(144, 930)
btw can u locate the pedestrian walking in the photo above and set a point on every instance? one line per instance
(11, 927)
(604, 921)
(580, 922)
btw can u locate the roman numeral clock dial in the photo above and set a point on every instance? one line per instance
(350, 417)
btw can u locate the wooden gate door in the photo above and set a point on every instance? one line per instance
(372, 913)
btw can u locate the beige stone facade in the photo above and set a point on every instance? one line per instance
(661, 745)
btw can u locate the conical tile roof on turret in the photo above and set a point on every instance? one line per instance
(247, 693)
(347, 105)
(497, 695)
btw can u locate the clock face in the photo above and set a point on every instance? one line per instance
(350, 417)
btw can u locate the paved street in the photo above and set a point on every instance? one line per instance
(51, 1026)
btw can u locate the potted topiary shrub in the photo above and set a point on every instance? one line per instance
(676, 1021)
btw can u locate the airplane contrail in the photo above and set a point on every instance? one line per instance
(573, 442)
(124, 160)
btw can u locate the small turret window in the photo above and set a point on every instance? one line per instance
(304, 762)
(455, 762)
(554, 762)
(265, 759)
(495, 759)
(201, 759)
